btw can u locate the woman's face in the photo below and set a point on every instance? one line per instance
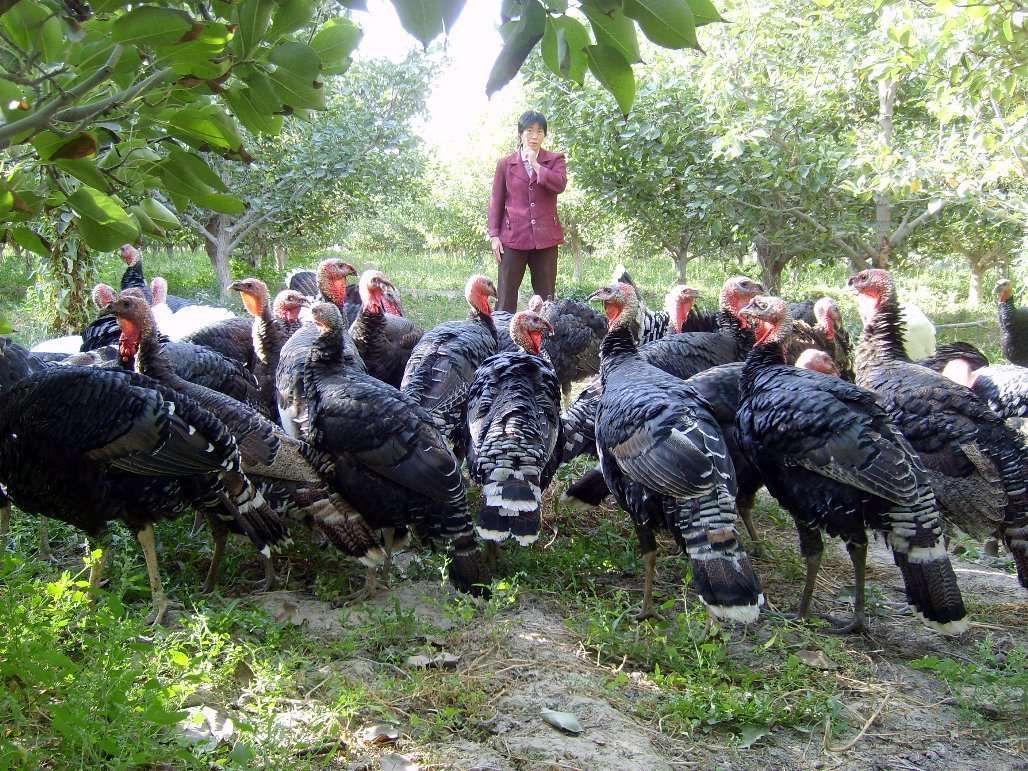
(533, 136)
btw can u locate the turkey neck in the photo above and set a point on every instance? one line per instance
(1006, 312)
(728, 324)
(267, 338)
(485, 319)
(618, 346)
(133, 276)
(152, 361)
(326, 352)
(760, 358)
(883, 336)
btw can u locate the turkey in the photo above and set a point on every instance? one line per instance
(286, 309)
(232, 337)
(217, 328)
(947, 352)
(817, 361)
(103, 330)
(976, 464)
(1013, 324)
(719, 386)
(388, 455)
(803, 311)
(276, 464)
(664, 458)
(1004, 387)
(832, 458)
(385, 341)
(827, 335)
(651, 326)
(118, 446)
(133, 277)
(681, 355)
(442, 365)
(292, 360)
(162, 314)
(502, 319)
(267, 337)
(574, 346)
(679, 305)
(919, 338)
(512, 433)
(329, 284)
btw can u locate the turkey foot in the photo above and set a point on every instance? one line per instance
(161, 604)
(388, 537)
(220, 535)
(366, 592)
(840, 626)
(267, 583)
(44, 542)
(858, 556)
(96, 570)
(756, 544)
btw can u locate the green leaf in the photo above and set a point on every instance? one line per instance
(186, 176)
(525, 33)
(289, 16)
(614, 30)
(253, 17)
(155, 712)
(241, 100)
(563, 48)
(336, 40)
(427, 19)
(144, 222)
(559, 6)
(84, 170)
(33, 27)
(668, 23)
(149, 25)
(160, 214)
(103, 223)
(704, 12)
(297, 67)
(194, 165)
(203, 126)
(262, 93)
(30, 240)
(5, 326)
(614, 73)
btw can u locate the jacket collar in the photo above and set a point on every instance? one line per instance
(545, 157)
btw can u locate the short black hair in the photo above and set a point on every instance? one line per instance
(530, 118)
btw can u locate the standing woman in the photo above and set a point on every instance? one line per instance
(523, 225)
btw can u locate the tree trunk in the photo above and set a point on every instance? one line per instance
(280, 258)
(883, 206)
(218, 253)
(680, 255)
(772, 260)
(974, 291)
(169, 251)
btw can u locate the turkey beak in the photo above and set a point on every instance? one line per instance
(305, 301)
(851, 285)
(107, 310)
(549, 327)
(597, 296)
(236, 286)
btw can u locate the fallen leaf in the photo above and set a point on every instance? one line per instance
(393, 762)
(380, 733)
(815, 659)
(243, 674)
(565, 721)
(750, 735)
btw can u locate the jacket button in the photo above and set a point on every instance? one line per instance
(533, 222)
(532, 203)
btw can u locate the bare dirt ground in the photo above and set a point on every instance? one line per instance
(526, 658)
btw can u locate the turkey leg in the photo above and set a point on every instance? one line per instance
(96, 570)
(219, 535)
(44, 540)
(858, 556)
(811, 547)
(388, 535)
(160, 601)
(5, 522)
(647, 610)
(745, 508)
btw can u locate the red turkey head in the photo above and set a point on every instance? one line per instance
(326, 318)
(828, 316)
(1004, 290)
(873, 286)
(477, 292)
(736, 292)
(391, 301)
(960, 371)
(620, 303)
(254, 293)
(159, 289)
(129, 254)
(770, 317)
(678, 304)
(134, 319)
(332, 278)
(288, 304)
(527, 330)
(817, 361)
(373, 287)
(103, 294)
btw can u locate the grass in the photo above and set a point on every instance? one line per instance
(87, 685)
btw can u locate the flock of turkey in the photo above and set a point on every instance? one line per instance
(327, 406)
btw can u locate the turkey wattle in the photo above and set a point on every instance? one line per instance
(385, 341)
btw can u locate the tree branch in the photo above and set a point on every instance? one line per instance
(906, 228)
(198, 227)
(1006, 133)
(246, 230)
(44, 114)
(87, 111)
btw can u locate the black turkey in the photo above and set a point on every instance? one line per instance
(276, 464)
(90, 446)
(133, 278)
(574, 346)
(666, 462)
(232, 338)
(832, 458)
(286, 310)
(388, 455)
(103, 330)
(827, 334)
(385, 341)
(330, 284)
(976, 464)
(512, 433)
(1013, 324)
(442, 365)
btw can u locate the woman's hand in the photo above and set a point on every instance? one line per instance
(497, 248)
(532, 155)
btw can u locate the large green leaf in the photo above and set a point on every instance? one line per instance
(427, 19)
(241, 100)
(34, 28)
(614, 73)
(297, 67)
(336, 40)
(187, 177)
(262, 94)
(204, 126)
(290, 15)
(704, 12)
(84, 170)
(522, 38)
(51, 146)
(28, 239)
(103, 223)
(563, 48)
(668, 23)
(149, 25)
(193, 165)
(161, 214)
(614, 30)
(252, 18)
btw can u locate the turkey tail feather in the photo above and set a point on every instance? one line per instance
(931, 587)
(1016, 540)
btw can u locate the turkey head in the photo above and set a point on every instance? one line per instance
(527, 330)
(477, 292)
(770, 317)
(254, 293)
(678, 304)
(873, 287)
(332, 279)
